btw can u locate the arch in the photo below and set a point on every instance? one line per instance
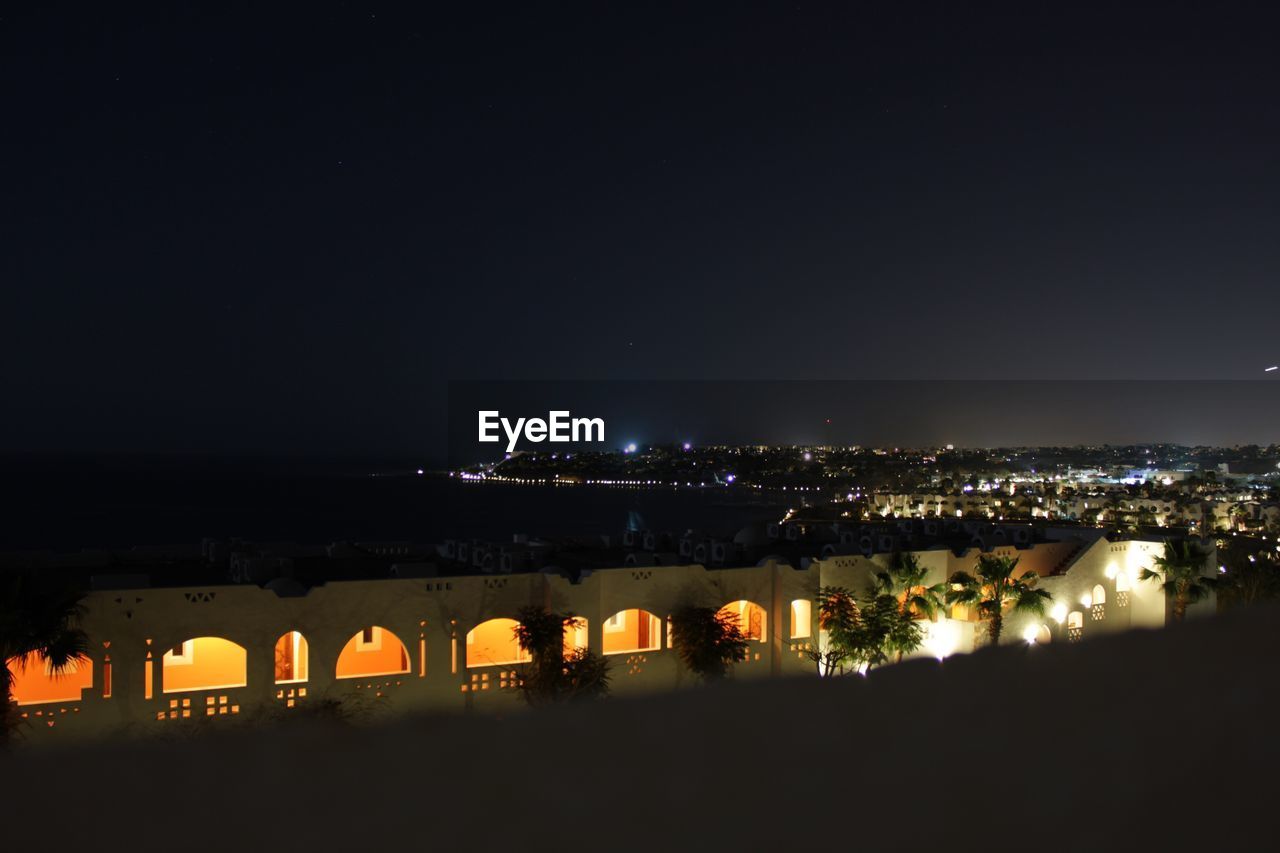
(801, 619)
(35, 682)
(1099, 595)
(1075, 619)
(632, 631)
(1042, 635)
(203, 663)
(575, 635)
(373, 651)
(493, 643)
(751, 617)
(291, 658)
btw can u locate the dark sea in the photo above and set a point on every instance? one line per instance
(70, 502)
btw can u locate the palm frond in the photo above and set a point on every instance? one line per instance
(1033, 601)
(64, 649)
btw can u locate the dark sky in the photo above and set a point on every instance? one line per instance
(284, 230)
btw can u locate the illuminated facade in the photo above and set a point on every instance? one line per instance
(164, 655)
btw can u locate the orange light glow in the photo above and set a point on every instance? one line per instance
(575, 636)
(203, 663)
(751, 619)
(801, 618)
(493, 643)
(35, 683)
(373, 651)
(632, 631)
(291, 658)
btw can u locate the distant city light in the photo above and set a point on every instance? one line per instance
(1273, 367)
(808, 457)
(419, 472)
(688, 446)
(630, 448)
(729, 478)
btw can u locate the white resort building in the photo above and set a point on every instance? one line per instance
(163, 657)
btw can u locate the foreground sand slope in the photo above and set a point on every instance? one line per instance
(1137, 741)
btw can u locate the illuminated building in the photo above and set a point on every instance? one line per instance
(445, 643)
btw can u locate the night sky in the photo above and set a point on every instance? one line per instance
(284, 231)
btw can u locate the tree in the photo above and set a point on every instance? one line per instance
(993, 589)
(552, 675)
(707, 641)
(1241, 517)
(861, 634)
(1179, 571)
(837, 617)
(1249, 574)
(889, 630)
(903, 580)
(37, 617)
(1115, 505)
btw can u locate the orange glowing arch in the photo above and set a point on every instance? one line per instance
(373, 651)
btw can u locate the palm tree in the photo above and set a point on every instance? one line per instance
(904, 580)
(38, 622)
(1115, 504)
(1241, 518)
(994, 588)
(1179, 571)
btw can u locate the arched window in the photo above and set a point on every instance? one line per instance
(801, 618)
(575, 635)
(1098, 611)
(751, 619)
(35, 682)
(632, 631)
(1075, 625)
(1123, 583)
(291, 658)
(493, 643)
(373, 651)
(203, 663)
